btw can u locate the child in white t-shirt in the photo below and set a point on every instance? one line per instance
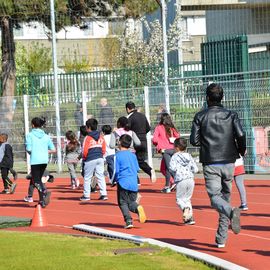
(110, 152)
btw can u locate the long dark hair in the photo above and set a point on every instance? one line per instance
(73, 142)
(166, 121)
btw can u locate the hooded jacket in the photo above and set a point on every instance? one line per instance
(183, 166)
(37, 145)
(94, 146)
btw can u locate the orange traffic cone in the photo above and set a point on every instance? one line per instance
(39, 219)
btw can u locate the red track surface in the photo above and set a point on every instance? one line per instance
(251, 248)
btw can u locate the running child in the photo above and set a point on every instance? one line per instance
(110, 152)
(72, 155)
(126, 170)
(183, 167)
(6, 165)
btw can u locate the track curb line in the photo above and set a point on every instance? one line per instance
(206, 258)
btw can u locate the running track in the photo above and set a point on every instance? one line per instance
(250, 248)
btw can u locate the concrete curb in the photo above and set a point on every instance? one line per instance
(209, 259)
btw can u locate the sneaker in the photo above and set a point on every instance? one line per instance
(12, 188)
(28, 177)
(186, 214)
(153, 176)
(93, 190)
(243, 207)
(47, 197)
(138, 199)
(190, 221)
(73, 186)
(103, 198)
(51, 178)
(84, 199)
(113, 184)
(220, 245)
(128, 225)
(235, 220)
(5, 191)
(173, 187)
(141, 213)
(77, 182)
(28, 199)
(166, 190)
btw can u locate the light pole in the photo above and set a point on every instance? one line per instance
(163, 5)
(57, 113)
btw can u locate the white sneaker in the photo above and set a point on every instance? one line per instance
(221, 245)
(77, 182)
(28, 199)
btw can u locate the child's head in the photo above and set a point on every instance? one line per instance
(180, 144)
(125, 141)
(122, 122)
(3, 137)
(106, 129)
(83, 131)
(92, 124)
(38, 122)
(70, 135)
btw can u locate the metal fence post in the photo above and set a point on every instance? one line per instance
(148, 135)
(84, 107)
(26, 127)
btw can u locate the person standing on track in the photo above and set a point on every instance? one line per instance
(39, 145)
(220, 136)
(140, 125)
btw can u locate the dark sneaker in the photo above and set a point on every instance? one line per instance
(243, 207)
(84, 199)
(128, 225)
(28, 177)
(42, 204)
(141, 213)
(47, 197)
(51, 178)
(190, 221)
(103, 198)
(5, 191)
(113, 184)
(235, 220)
(93, 190)
(12, 188)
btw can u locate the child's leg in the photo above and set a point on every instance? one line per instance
(89, 167)
(31, 188)
(14, 173)
(4, 174)
(167, 158)
(72, 172)
(110, 164)
(37, 172)
(122, 199)
(239, 180)
(100, 176)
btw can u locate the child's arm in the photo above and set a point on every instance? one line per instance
(194, 167)
(173, 164)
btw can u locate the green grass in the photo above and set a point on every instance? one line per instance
(53, 251)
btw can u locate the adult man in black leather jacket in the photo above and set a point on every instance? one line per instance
(219, 134)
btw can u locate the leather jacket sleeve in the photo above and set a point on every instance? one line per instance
(195, 132)
(239, 135)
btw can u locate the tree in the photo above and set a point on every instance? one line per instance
(68, 12)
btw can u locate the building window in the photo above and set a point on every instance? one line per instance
(88, 29)
(116, 28)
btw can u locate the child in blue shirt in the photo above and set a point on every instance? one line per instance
(126, 169)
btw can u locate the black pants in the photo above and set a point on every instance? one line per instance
(110, 167)
(127, 202)
(141, 156)
(37, 172)
(6, 181)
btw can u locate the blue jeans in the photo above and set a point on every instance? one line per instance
(218, 181)
(110, 166)
(97, 166)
